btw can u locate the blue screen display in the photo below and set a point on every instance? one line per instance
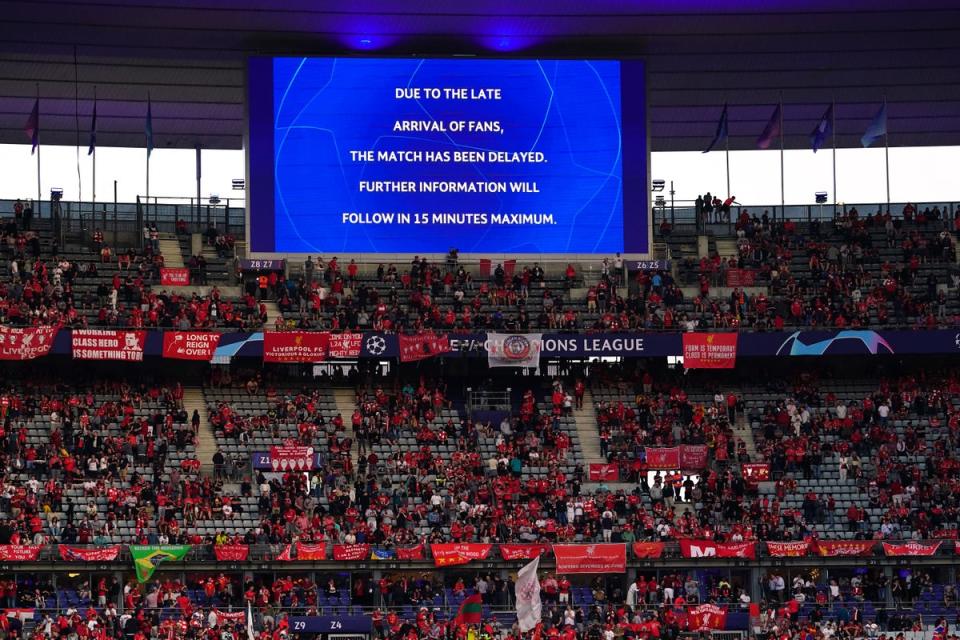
(361, 155)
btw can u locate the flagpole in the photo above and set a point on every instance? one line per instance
(93, 202)
(37, 212)
(149, 143)
(886, 148)
(726, 140)
(833, 131)
(783, 197)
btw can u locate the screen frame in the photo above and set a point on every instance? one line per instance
(638, 69)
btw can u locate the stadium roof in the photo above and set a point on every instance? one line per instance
(190, 55)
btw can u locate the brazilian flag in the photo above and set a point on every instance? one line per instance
(147, 557)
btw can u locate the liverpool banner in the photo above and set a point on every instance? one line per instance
(86, 554)
(26, 343)
(604, 472)
(663, 457)
(423, 346)
(709, 350)
(648, 549)
(448, 554)
(303, 551)
(292, 458)
(345, 345)
(190, 345)
(174, 277)
(351, 551)
(90, 344)
(693, 456)
(710, 549)
(146, 558)
(19, 552)
(514, 350)
(591, 558)
(838, 548)
(295, 346)
(788, 549)
(231, 552)
(911, 548)
(410, 553)
(706, 617)
(522, 551)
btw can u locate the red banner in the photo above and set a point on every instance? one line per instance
(788, 549)
(174, 276)
(236, 617)
(693, 456)
(911, 548)
(709, 350)
(292, 458)
(19, 552)
(190, 345)
(522, 551)
(944, 534)
(604, 472)
(90, 344)
(345, 345)
(591, 558)
(648, 549)
(351, 551)
(835, 548)
(295, 346)
(81, 554)
(422, 346)
(706, 617)
(303, 552)
(663, 457)
(754, 472)
(26, 343)
(232, 552)
(710, 549)
(410, 553)
(447, 554)
(741, 277)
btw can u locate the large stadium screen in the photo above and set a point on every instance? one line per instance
(361, 155)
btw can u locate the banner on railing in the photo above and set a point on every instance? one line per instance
(591, 558)
(174, 277)
(447, 554)
(90, 344)
(688, 456)
(838, 548)
(303, 551)
(19, 552)
(146, 558)
(709, 350)
(350, 552)
(383, 554)
(788, 549)
(233, 617)
(295, 346)
(741, 277)
(190, 345)
(648, 549)
(706, 617)
(604, 472)
(231, 552)
(754, 472)
(693, 456)
(522, 551)
(911, 548)
(410, 553)
(26, 343)
(83, 554)
(345, 345)
(292, 458)
(20, 613)
(710, 549)
(423, 346)
(944, 534)
(514, 349)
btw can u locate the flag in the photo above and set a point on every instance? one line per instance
(146, 558)
(721, 133)
(471, 611)
(877, 128)
(823, 129)
(32, 126)
(93, 129)
(771, 131)
(527, 591)
(148, 129)
(250, 634)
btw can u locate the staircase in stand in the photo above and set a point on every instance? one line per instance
(346, 400)
(195, 400)
(588, 433)
(170, 250)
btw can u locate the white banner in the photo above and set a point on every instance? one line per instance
(527, 591)
(514, 349)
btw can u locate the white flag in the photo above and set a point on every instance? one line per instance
(250, 635)
(527, 592)
(514, 349)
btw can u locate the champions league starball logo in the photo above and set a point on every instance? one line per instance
(872, 341)
(376, 345)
